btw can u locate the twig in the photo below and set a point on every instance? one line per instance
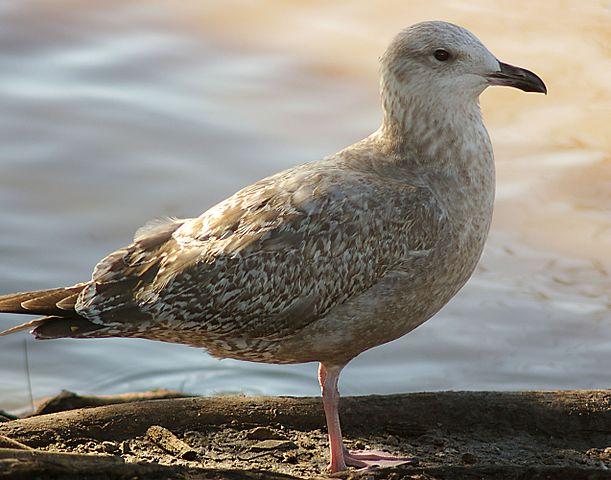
(170, 442)
(6, 442)
(27, 372)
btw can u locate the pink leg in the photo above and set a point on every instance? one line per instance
(340, 456)
(328, 378)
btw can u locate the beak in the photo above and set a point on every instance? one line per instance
(517, 77)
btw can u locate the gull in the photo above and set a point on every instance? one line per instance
(323, 261)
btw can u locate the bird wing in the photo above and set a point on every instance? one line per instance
(269, 260)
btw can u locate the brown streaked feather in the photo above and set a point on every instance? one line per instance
(263, 264)
(120, 280)
(68, 303)
(12, 303)
(156, 232)
(284, 259)
(43, 302)
(37, 302)
(46, 304)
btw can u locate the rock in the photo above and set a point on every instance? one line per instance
(273, 445)
(264, 433)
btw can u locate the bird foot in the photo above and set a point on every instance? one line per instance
(370, 459)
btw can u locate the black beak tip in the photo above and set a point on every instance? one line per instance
(538, 86)
(518, 77)
(536, 89)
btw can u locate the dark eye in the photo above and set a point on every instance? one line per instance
(441, 55)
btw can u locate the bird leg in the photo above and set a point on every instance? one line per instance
(328, 378)
(341, 457)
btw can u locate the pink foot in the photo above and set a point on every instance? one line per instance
(340, 456)
(369, 459)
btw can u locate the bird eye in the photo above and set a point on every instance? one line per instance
(441, 55)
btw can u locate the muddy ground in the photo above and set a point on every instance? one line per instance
(452, 435)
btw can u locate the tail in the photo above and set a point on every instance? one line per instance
(58, 307)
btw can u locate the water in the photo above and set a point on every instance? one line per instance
(119, 112)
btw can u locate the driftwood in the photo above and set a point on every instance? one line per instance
(170, 442)
(555, 435)
(26, 465)
(67, 400)
(6, 442)
(562, 414)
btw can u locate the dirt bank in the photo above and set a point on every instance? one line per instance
(453, 435)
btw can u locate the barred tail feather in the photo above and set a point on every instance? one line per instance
(43, 302)
(57, 304)
(23, 326)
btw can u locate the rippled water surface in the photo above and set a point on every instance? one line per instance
(114, 113)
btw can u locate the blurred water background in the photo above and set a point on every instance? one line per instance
(114, 113)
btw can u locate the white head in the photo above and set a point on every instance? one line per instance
(438, 63)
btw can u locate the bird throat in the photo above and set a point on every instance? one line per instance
(439, 132)
(445, 144)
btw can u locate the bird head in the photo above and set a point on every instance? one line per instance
(442, 61)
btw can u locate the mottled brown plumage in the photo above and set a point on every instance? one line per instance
(325, 260)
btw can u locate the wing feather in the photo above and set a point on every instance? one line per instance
(269, 260)
(287, 254)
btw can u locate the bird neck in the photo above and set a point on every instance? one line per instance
(442, 142)
(435, 131)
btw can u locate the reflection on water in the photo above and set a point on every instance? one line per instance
(118, 113)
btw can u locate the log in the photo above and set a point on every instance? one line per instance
(67, 400)
(562, 435)
(560, 414)
(27, 465)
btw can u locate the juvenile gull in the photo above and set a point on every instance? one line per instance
(323, 261)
